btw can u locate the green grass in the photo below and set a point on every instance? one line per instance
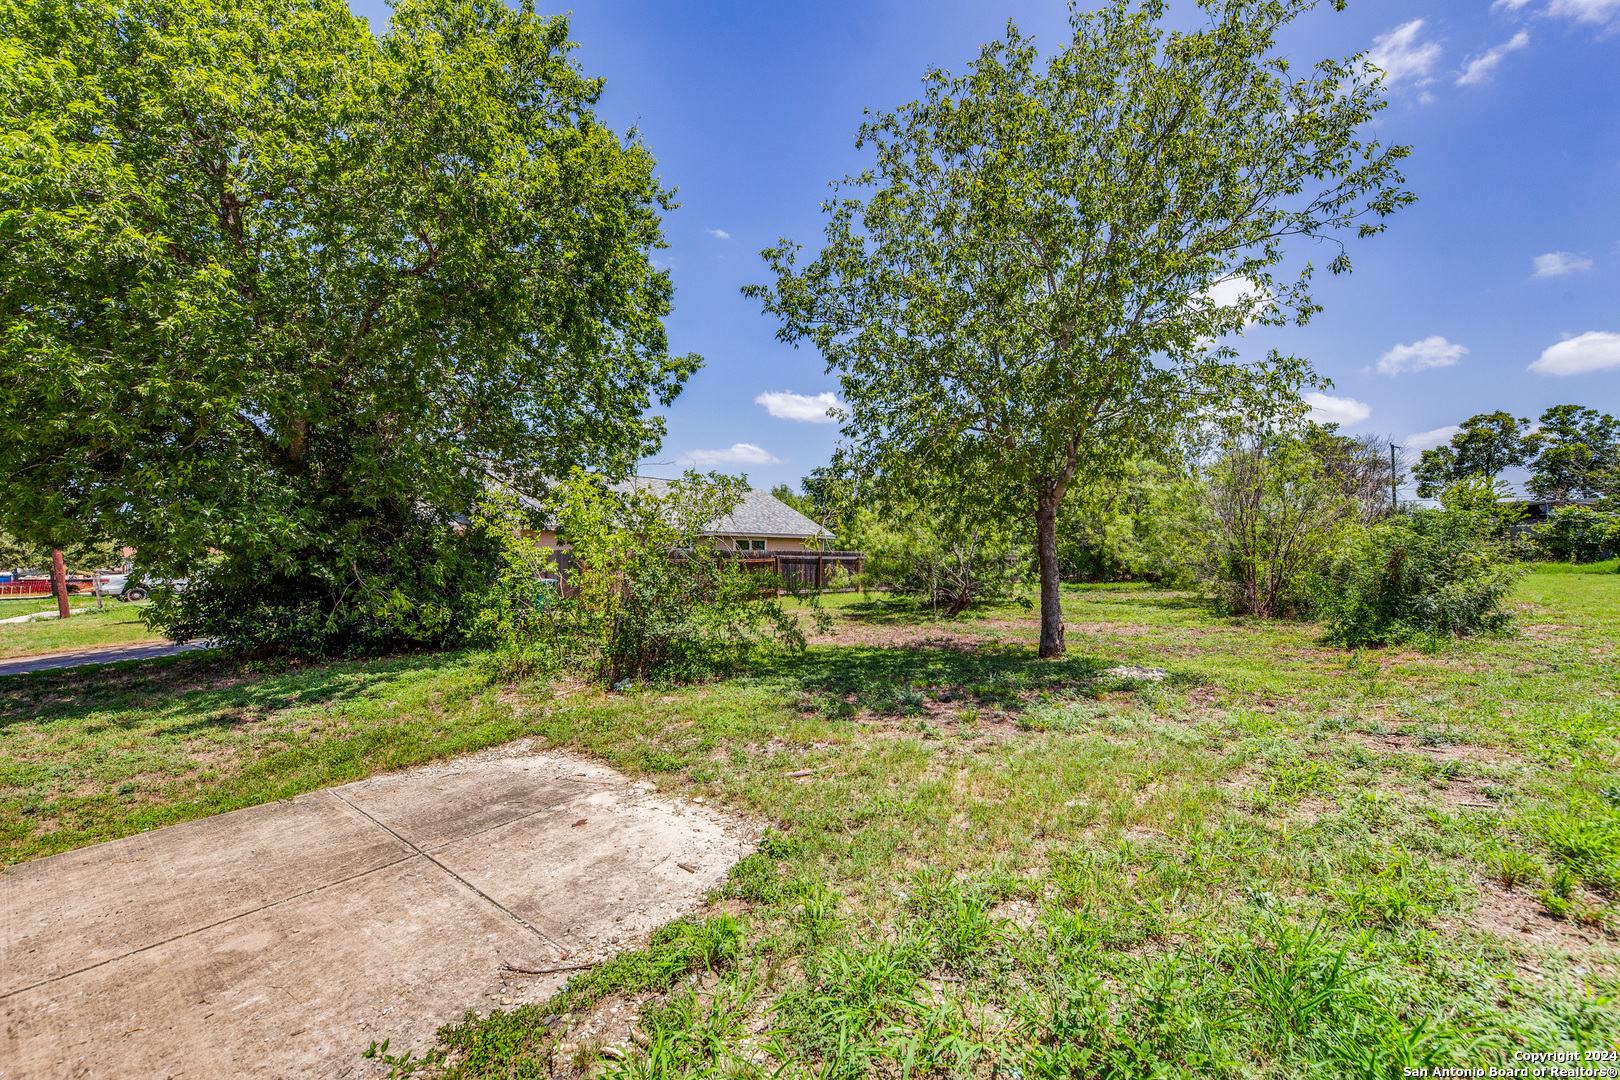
(91, 757)
(1281, 859)
(87, 628)
(1609, 566)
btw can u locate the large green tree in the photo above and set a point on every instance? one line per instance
(284, 291)
(1026, 289)
(1485, 445)
(1576, 454)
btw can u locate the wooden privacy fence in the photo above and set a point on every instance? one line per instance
(813, 569)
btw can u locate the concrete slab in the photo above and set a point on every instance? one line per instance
(281, 940)
(70, 911)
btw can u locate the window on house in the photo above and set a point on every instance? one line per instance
(758, 545)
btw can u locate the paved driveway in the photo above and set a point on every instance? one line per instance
(84, 657)
(280, 940)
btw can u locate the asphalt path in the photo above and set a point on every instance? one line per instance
(85, 657)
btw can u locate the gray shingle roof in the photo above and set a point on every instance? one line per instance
(759, 514)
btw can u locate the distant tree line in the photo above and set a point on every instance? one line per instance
(1572, 453)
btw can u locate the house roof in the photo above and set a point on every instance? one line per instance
(759, 514)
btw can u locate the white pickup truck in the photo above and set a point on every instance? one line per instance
(117, 583)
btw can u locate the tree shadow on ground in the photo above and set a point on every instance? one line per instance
(1116, 596)
(886, 610)
(843, 679)
(139, 692)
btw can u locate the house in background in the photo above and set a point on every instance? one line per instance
(1539, 510)
(761, 522)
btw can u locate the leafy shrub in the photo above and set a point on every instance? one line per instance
(947, 563)
(647, 592)
(1146, 529)
(411, 582)
(1426, 572)
(1579, 534)
(1278, 503)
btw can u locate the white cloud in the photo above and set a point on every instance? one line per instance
(1592, 351)
(1592, 11)
(718, 234)
(1326, 409)
(802, 407)
(1555, 263)
(1481, 68)
(1431, 352)
(742, 453)
(1401, 56)
(1428, 440)
(1233, 291)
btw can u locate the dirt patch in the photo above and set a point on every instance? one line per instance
(1309, 809)
(1547, 631)
(1516, 915)
(1464, 795)
(877, 635)
(1463, 753)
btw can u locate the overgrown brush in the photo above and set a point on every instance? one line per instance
(647, 591)
(1427, 573)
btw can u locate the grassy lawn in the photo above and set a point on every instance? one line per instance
(87, 628)
(1274, 859)
(86, 757)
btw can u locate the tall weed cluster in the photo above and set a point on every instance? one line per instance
(1426, 573)
(646, 592)
(1300, 524)
(1579, 534)
(945, 561)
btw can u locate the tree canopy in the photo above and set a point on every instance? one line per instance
(1485, 445)
(281, 290)
(1572, 452)
(1027, 287)
(1576, 454)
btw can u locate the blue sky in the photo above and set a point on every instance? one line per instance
(1500, 288)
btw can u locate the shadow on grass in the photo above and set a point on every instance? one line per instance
(848, 678)
(1119, 595)
(883, 610)
(138, 691)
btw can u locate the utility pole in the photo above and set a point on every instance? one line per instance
(1394, 479)
(59, 581)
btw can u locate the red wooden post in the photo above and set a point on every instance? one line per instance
(59, 580)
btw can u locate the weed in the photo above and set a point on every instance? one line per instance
(1511, 867)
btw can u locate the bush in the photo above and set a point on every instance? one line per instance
(1147, 529)
(647, 594)
(1579, 534)
(409, 582)
(949, 564)
(1278, 503)
(1423, 573)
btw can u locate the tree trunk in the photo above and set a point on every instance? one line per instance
(1051, 602)
(59, 582)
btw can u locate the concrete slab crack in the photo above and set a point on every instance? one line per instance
(209, 926)
(490, 900)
